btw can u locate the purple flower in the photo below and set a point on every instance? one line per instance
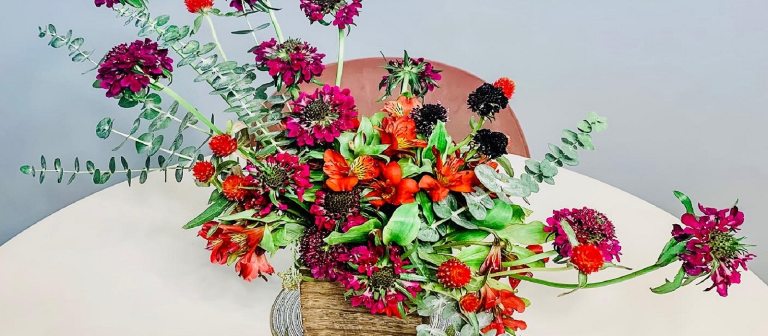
(109, 3)
(712, 247)
(132, 67)
(293, 61)
(322, 116)
(238, 4)
(590, 226)
(344, 12)
(324, 262)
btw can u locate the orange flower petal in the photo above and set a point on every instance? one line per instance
(365, 168)
(392, 172)
(336, 165)
(342, 183)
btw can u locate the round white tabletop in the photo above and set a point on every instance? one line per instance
(118, 263)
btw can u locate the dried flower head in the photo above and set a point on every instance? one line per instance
(489, 143)
(487, 100)
(427, 117)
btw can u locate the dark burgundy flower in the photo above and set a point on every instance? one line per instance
(132, 67)
(108, 3)
(489, 143)
(427, 117)
(293, 61)
(712, 247)
(324, 262)
(487, 100)
(344, 12)
(239, 4)
(590, 226)
(337, 209)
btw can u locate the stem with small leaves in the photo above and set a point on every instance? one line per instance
(134, 139)
(195, 112)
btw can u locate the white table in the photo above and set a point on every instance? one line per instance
(118, 263)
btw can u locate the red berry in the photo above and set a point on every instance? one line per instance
(196, 6)
(222, 145)
(507, 85)
(587, 258)
(470, 303)
(232, 187)
(203, 171)
(454, 274)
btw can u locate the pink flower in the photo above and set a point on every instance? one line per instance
(281, 173)
(344, 12)
(118, 73)
(590, 226)
(293, 61)
(337, 210)
(322, 116)
(712, 247)
(239, 4)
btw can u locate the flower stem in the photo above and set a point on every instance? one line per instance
(195, 112)
(609, 282)
(273, 18)
(532, 269)
(533, 258)
(215, 36)
(340, 62)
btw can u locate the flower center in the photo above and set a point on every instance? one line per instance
(384, 278)
(724, 245)
(327, 5)
(275, 177)
(317, 110)
(340, 202)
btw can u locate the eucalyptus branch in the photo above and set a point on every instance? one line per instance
(149, 144)
(176, 119)
(184, 103)
(454, 213)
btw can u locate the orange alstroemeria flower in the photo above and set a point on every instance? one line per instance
(400, 134)
(401, 107)
(233, 240)
(344, 177)
(393, 188)
(449, 178)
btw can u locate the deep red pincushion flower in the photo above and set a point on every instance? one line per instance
(712, 247)
(469, 303)
(293, 61)
(506, 85)
(281, 174)
(454, 273)
(197, 6)
(222, 145)
(203, 171)
(587, 258)
(234, 187)
(449, 177)
(393, 188)
(323, 261)
(345, 16)
(320, 117)
(132, 67)
(590, 226)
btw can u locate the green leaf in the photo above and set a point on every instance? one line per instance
(104, 128)
(143, 145)
(671, 251)
(26, 169)
(525, 234)
(569, 233)
(215, 209)
(473, 255)
(467, 235)
(126, 102)
(247, 214)
(287, 234)
(686, 201)
(670, 286)
(426, 207)
(500, 215)
(354, 235)
(438, 139)
(403, 226)
(267, 243)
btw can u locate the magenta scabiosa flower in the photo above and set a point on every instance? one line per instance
(108, 3)
(131, 67)
(337, 209)
(322, 116)
(293, 61)
(240, 4)
(344, 12)
(712, 247)
(590, 226)
(324, 262)
(380, 287)
(281, 173)
(419, 75)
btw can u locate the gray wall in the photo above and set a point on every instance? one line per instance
(684, 84)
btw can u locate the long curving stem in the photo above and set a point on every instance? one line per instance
(186, 105)
(340, 62)
(609, 282)
(275, 24)
(215, 37)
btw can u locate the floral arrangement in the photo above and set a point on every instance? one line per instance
(407, 219)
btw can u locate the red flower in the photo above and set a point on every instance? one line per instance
(222, 145)
(492, 262)
(500, 323)
(402, 107)
(196, 6)
(507, 85)
(393, 189)
(233, 187)
(470, 303)
(454, 274)
(587, 258)
(342, 176)
(226, 241)
(253, 265)
(502, 303)
(449, 178)
(400, 134)
(203, 171)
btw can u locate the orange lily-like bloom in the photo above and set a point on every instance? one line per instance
(449, 178)
(343, 176)
(503, 304)
(400, 134)
(233, 240)
(393, 189)
(401, 107)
